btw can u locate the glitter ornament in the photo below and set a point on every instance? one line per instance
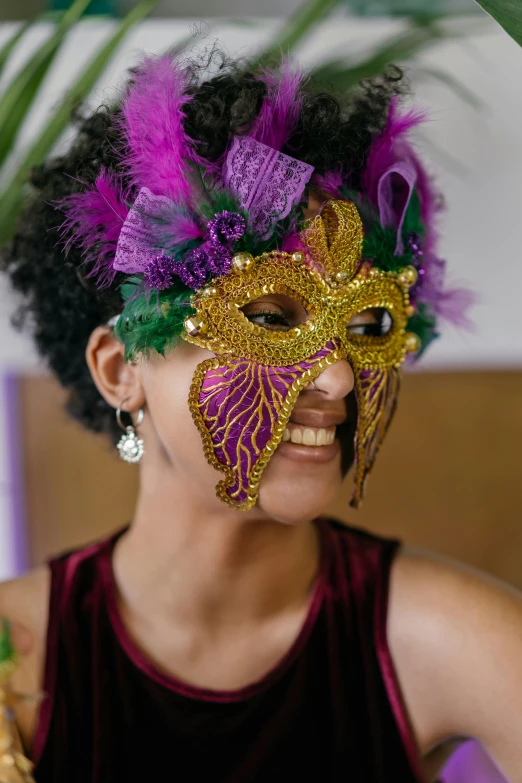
(159, 273)
(226, 227)
(242, 261)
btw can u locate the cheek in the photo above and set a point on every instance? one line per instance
(167, 382)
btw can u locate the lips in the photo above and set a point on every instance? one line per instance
(317, 417)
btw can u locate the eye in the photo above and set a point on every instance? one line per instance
(375, 322)
(276, 312)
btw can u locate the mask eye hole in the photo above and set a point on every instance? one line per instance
(374, 322)
(275, 312)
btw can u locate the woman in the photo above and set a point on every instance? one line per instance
(274, 251)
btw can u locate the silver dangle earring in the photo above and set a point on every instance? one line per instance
(130, 447)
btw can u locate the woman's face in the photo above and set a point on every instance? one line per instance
(306, 470)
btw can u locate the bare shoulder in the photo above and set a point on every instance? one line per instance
(455, 636)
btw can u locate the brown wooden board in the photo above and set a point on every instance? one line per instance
(449, 476)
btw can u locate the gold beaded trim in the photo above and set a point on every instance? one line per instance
(333, 286)
(225, 330)
(283, 414)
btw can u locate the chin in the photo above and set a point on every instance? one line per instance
(293, 492)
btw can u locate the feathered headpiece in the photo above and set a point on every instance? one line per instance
(171, 221)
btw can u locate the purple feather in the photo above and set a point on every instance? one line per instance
(329, 183)
(292, 243)
(451, 304)
(389, 147)
(158, 152)
(174, 227)
(93, 223)
(454, 305)
(281, 107)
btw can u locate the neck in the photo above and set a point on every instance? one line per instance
(201, 562)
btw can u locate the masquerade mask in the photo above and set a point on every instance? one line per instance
(195, 255)
(241, 400)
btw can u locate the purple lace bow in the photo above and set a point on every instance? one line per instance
(266, 182)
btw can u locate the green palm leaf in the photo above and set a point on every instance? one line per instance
(342, 75)
(508, 13)
(298, 27)
(18, 98)
(8, 47)
(12, 197)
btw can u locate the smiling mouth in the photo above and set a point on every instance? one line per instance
(311, 435)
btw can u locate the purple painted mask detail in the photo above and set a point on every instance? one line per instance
(243, 408)
(267, 182)
(376, 391)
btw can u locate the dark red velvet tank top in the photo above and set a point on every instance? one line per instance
(330, 710)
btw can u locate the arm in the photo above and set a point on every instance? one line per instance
(456, 639)
(14, 766)
(24, 602)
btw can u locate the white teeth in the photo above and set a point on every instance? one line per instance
(309, 436)
(296, 435)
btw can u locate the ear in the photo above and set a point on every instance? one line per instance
(117, 381)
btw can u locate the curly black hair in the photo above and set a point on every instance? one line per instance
(60, 305)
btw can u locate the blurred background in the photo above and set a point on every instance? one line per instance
(448, 477)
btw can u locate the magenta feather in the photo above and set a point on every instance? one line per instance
(389, 147)
(454, 305)
(329, 183)
(281, 107)
(175, 226)
(158, 152)
(93, 221)
(293, 242)
(450, 304)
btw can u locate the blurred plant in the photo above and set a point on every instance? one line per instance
(341, 73)
(420, 31)
(508, 13)
(21, 92)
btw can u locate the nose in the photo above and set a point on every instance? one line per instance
(337, 381)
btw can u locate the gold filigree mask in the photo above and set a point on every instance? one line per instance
(241, 400)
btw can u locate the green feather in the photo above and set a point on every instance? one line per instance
(152, 321)
(423, 324)
(412, 218)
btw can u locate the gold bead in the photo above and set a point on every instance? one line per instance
(298, 257)
(342, 276)
(195, 325)
(410, 310)
(208, 291)
(408, 276)
(413, 342)
(374, 272)
(242, 261)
